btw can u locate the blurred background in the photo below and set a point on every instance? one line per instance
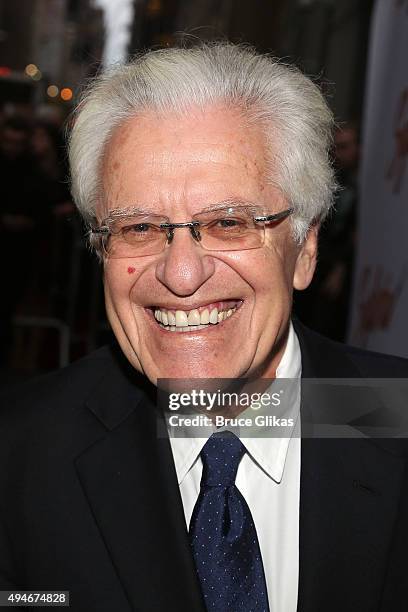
(52, 303)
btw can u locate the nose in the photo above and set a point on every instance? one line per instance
(184, 266)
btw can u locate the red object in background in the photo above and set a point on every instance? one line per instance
(4, 71)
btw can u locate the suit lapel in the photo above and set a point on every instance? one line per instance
(348, 506)
(130, 483)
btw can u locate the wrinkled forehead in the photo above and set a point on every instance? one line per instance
(165, 163)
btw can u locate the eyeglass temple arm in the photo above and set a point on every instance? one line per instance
(277, 217)
(100, 230)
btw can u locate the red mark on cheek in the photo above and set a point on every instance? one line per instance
(131, 270)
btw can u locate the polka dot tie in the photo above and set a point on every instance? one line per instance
(223, 535)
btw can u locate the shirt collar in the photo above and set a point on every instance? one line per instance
(268, 452)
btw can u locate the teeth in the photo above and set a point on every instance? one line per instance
(205, 317)
(171, 317)
(182, 321)
(214, 316)
(194, 317)
(186, 329)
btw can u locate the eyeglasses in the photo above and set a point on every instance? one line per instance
(233, 228)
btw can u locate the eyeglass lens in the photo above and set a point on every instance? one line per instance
(230, 229)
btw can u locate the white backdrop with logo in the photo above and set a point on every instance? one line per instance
(380, 299)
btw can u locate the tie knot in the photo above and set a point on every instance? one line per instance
(221, 455)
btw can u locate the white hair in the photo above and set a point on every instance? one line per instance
(284, 103)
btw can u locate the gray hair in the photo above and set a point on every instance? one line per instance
(286, 104)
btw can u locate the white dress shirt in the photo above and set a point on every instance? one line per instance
(269, 479)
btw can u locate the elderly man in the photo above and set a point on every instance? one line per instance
(203, 175)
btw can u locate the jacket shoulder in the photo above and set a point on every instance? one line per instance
(61, 389)
(323, 357)
(379, 364)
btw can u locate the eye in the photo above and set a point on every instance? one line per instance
(140, 232)
(137, 228)
(229, 222)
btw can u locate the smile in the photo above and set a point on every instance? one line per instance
(203, 317)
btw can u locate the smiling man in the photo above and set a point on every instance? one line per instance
(206, 164)
(203, 176)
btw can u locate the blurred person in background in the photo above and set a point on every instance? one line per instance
(50, 191)
(35, 205)
(326, 303)
(50, 168)
(17, 220)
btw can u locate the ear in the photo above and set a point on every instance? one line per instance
(306, 259)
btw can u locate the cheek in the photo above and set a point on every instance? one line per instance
(282, 255)
(268, 272)
(119, 279)
(273, 291)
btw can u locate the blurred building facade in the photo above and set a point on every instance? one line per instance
(63, 38)
(326, 38)
(161, 22)
(15, 26)
(330, 39)
(84, 40)
(47, 49)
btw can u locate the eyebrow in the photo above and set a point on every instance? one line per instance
(233, 203)
(130, 211)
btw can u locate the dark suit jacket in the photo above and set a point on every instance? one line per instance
(89, 500)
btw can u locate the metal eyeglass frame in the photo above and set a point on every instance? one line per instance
(193, 225)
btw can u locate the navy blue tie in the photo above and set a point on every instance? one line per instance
(223, 535)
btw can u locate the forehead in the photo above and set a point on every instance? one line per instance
(167, 162)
